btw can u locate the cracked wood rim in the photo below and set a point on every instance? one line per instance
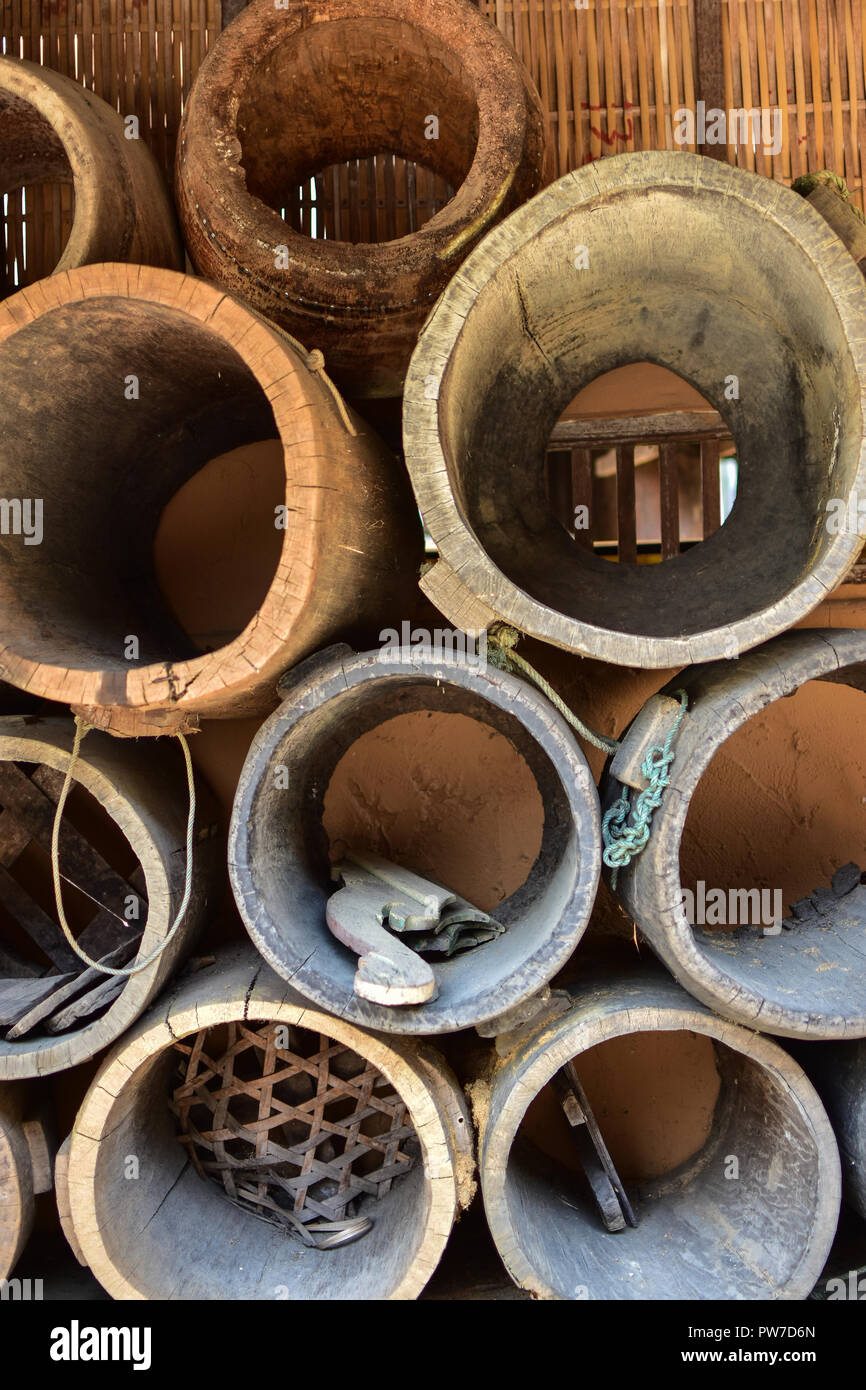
(363, 303)
(699, 1235)
(212, 374)
(52, 127)
(809, 982)
(127, 1230)
(482, 397)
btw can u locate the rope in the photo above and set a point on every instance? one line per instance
(82, 728)
(316, 364)
(624, 839)
(502, 640)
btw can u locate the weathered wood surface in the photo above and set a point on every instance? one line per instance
(211, 376)
(61, 1189)
(527, 324)
(700, 1235)
(838, 1072)
(283, 95)
(128, 1231)
(807, 982)
(51, 128)
(143, 789)
(278, 853)
(26, 1162)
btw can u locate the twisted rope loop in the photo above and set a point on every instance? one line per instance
(625, 838)
(82, 728)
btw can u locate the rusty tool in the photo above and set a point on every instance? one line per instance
(607, 1187)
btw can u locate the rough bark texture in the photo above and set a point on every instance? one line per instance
(704, 269)
(278, 849)
(210, 376)
(286, 93)
(701, 1234)
(808, 981)
(53, 128)
(172, 1234)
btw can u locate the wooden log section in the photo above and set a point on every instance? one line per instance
(26, 1161)
(53, 130)
(174, 1234)
(54, 1010)
(210, 376)
(702, 1232)
(278, 850)
(704, 269)
(809, 979)
(838, 1072)
(285, 94)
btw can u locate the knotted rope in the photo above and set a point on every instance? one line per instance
(82, 728)
(623, 838)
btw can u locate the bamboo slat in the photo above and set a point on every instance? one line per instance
(613, 73)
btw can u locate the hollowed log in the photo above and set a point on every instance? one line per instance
(53, 130)
(838, 1072)
(729, 280)
(757, 1228)
(279, 851)
(210, 377)
(128, 1230)
(284, 94)
(807, 980)
(143, 792)
(25, 1170)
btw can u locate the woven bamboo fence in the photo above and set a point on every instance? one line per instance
(611, 73)
(614, 73)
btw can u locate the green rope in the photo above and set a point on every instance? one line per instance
(502, 640)
(625, 838)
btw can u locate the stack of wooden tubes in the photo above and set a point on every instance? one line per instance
(284, 600)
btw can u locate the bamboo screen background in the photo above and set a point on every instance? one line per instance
(611, 75)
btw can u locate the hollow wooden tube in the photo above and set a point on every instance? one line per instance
(25, 1169)
(701, 1233)
(838, 1073)
(808, 982)
(173, 1234)
(144, 791)
(210, 376)
(278, 851)
(52, 128)
(726, 278)
(285, 93)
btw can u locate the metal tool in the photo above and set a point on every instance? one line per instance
(607, 1188)
(378, 899)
